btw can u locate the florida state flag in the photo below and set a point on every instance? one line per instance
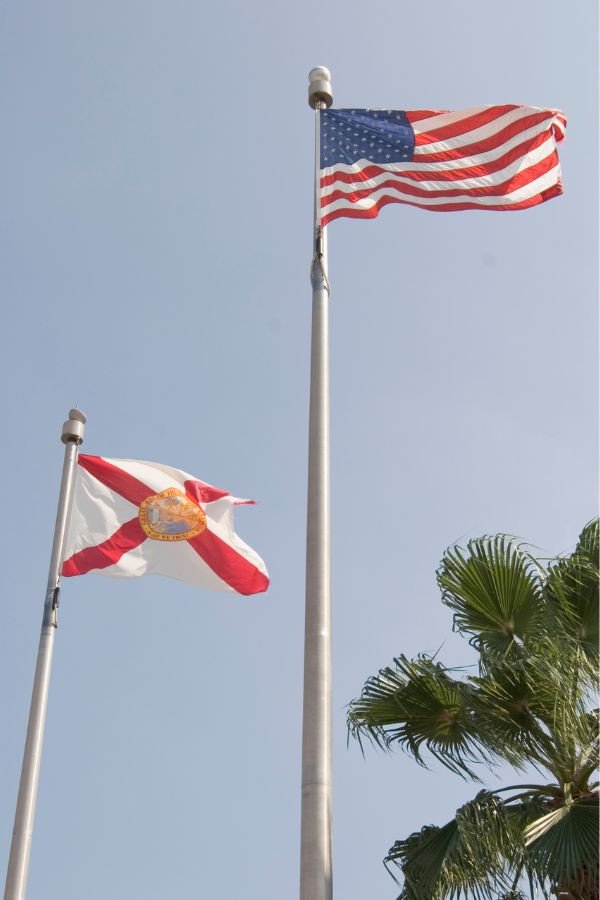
(133, 518)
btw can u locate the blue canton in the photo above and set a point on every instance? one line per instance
(378, 135)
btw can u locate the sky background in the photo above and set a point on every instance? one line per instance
(156, 169)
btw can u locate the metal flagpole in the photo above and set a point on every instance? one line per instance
(315, 840)
(18, 863)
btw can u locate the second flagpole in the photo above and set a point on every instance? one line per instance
(315, 840)
(20, 848)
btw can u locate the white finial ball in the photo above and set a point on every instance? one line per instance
(319, 88)
(319, 73)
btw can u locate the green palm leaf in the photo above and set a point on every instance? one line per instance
(531, 707)
(495, 591)
(421, 857)
(563, 845)
(418, 704)
(572, 592)
(531, 704)
(479, 854)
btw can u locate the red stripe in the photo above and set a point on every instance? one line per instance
(476, 171)
(463, 125)
(199, 492)
(109, 552)
(521, 151)
(559, 126)
(410, 187)
(236, 571)
(521, 179)
(116, 479)
(415, 115)
(486, 144)
(353, 213)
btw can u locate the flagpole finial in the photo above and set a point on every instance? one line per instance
(74, 427)
(319, 87)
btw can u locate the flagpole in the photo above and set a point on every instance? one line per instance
(18, 863)
(315, 839)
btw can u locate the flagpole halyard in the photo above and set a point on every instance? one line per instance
(18, 863)
(315, 841)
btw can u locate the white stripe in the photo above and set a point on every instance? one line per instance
(485, 131)
(523, 193)
(480, 159)
(486, 156)
(433, 123)
(441, 119)
(520, 164)
(561, 123)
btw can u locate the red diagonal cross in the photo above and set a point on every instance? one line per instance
(230, 566)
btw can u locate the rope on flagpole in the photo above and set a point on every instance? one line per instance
(320, 97)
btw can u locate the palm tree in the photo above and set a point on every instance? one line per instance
(530, 703)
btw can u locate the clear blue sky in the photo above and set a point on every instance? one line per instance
(156, 168)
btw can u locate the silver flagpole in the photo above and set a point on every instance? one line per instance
(315, 840)
(18, 863)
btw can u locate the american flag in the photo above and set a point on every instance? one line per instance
(487, 157)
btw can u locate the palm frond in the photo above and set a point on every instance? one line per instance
(534, 707)
(571, 591)
(421, 857)
(495, 591)
(563, 845)
(588, 760)
(479, 854)
(530, 704)
(588, 543)
(417, 703)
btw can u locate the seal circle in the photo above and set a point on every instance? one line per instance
(171, 516)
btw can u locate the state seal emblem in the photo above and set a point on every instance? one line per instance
(171, 516)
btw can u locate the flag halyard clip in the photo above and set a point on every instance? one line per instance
(318, 276)
(54, 604)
